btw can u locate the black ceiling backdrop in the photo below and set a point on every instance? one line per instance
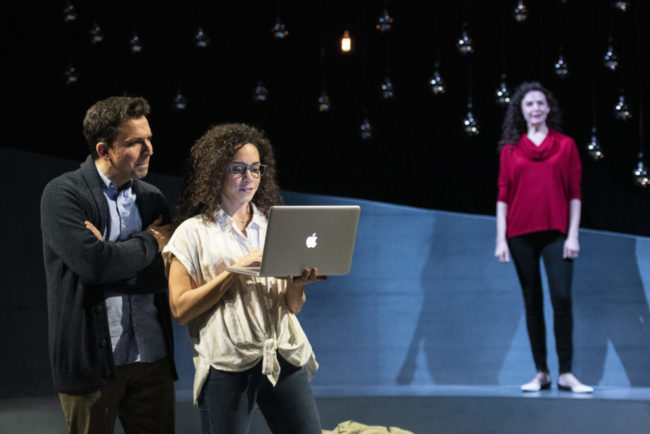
(419, 154)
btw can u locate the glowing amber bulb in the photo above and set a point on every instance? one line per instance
(346, 42)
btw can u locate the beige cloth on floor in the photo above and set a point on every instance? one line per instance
(351, 427)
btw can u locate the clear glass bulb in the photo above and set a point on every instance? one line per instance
(201, 39)
(622, 6)
(180, 102)
(521, 12)
(387, 89)
(470, 125)
(96, 34)
(609, 59)
(135, 44)
(436, 84)
(621, 110)
(261, 93)
(71, 74)
(384, 22)
(464, 44)
(69, 12)
(365, 129)
(346, 42)
(324, 104)
(502, 92)
(641, 175)
(560, 68)
(279, 29)
(593, 147)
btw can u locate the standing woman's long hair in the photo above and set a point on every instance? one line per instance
(514, 124)
(208, 164)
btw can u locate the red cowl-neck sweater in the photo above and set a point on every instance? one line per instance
(538, 183)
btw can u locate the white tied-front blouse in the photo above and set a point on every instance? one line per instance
(252, 320)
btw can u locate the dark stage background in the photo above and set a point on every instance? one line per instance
(419, 154)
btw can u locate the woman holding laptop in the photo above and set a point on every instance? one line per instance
(248, 345)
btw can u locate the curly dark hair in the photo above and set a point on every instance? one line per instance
(208, 162)
(514, 124)
(104, 117)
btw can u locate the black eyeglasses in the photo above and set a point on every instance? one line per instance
(239, 169)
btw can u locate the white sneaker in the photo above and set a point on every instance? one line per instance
(542, 381)
(572, 384)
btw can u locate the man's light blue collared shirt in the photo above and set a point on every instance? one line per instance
(136, 334)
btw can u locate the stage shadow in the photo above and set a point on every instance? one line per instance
(611, 306)
(470, 326)
(470, 309)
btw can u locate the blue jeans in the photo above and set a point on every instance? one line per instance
(227, 400)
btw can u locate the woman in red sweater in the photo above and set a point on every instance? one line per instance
(538, 215)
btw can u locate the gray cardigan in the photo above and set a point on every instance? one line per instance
(78, 266)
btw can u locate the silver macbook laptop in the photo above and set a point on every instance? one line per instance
(299, 237)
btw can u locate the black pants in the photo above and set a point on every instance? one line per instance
(141, 396)
(526, 251)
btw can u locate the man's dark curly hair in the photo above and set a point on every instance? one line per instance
(514, 124)
(104, 117)
(208, 163)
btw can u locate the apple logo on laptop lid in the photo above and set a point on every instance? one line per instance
(311, 241)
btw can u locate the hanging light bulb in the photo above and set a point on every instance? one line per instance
(593, 147)
(502, 92)
(436, 84)
(641, 175)
(521, 12)
(622, 6)
(279, 29)
(69, 12)
(346, 42)
(621, 109)
(71, 74)
(365, 129)
(384, 22)
(469, 123)
(261, 93)
(464, 43)
(560, 68)
(609, 59)
(135, 44)
(387, 88)
(201, 39)
(180, 102)
(323, 102)
(96, 34)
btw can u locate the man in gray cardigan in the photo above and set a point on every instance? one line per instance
(110, 332)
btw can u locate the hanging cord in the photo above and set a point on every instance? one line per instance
(322, 44)
(504, 35)
(387, 46)
(542, 39)
(594, 65)
(639, 40)
(469, 83)
(364, 55)
(436, 21)
(621, 54)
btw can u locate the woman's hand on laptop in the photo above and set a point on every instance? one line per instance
(253, 259)
(294, 294)
(308, 275)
